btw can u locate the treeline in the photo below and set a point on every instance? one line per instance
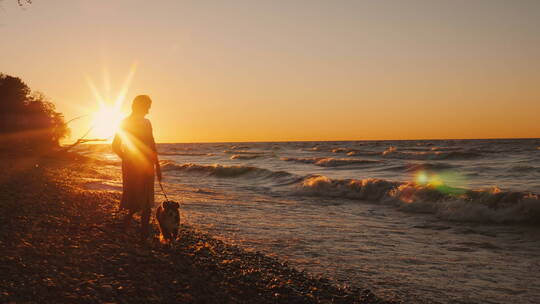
(28, 121)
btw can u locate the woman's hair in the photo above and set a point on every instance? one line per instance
(141, 103)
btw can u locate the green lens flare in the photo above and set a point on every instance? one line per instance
(447, 182)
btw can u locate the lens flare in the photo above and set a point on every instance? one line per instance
(421, 178)
(447, 181)
(108, 116)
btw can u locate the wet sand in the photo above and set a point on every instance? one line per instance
(60, 243)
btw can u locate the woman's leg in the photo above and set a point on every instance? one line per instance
(128, 219)
(145, 223)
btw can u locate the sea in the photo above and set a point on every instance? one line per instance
(438, 221)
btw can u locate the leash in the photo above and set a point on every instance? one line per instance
(163, 191)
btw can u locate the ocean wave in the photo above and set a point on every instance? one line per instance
(218, 170)
(313, 149)
(422, 166)
(343, 150)
(445, 148)
(414, 154)
(235, 147)
(330, 162)
(392, 152)
(176, 147)
(245, 156)
(487, 206)
(363, 153)
(347, 151)
(523, 169)
(244, 152)
(332, 150)
(305, 160)
(366, 189)
(185, 153)
(419, 149)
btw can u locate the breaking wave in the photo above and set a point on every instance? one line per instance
(490, 206)
(217, 170)
(330, 162)
(366, 189)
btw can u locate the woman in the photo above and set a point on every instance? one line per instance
(135, 145)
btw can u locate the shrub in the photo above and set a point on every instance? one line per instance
(28, 121)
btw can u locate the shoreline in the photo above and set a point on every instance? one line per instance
(61, 243)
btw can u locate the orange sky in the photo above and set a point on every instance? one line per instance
(288, 70)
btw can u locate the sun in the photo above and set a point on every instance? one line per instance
(108, 116)
(106, 122)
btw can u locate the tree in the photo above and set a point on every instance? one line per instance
(27, 119)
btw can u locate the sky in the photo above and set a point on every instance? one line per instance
(287, 70)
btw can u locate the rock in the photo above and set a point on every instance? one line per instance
(107, 288)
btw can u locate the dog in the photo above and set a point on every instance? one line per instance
(168, 217)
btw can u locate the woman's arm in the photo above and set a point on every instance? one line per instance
(156, 159)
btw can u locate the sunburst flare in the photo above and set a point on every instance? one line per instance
(108, 116)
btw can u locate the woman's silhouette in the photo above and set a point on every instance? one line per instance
(135, 145)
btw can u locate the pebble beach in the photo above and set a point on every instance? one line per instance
(61, 243)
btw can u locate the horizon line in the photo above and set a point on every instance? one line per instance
(345, 140)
